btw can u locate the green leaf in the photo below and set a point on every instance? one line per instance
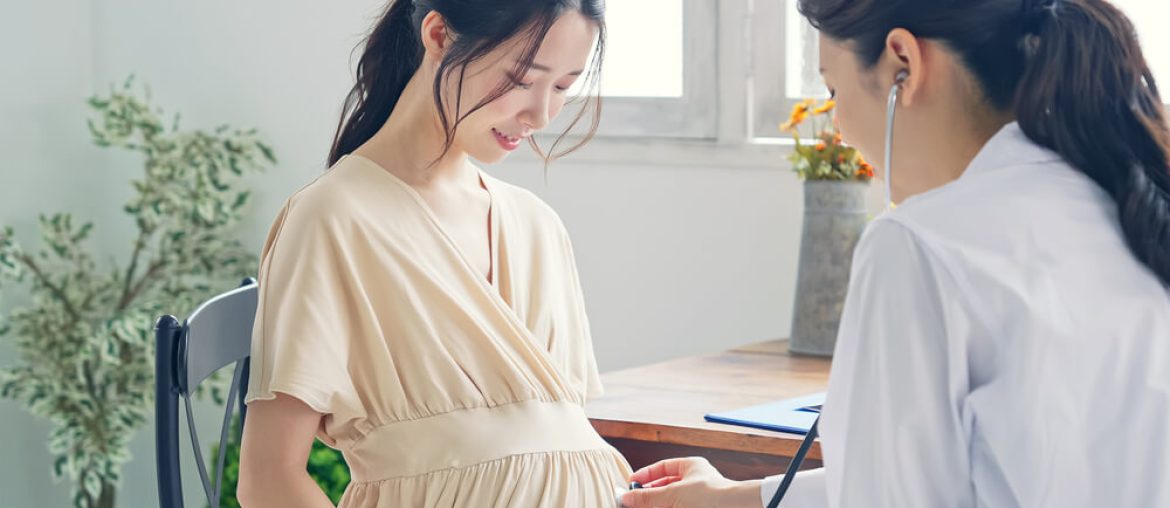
(267, 152)
(59, 464)
(241, 200)
(92, 484)
(83, 232)
(8, 389)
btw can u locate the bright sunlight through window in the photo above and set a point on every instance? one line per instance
(644, 49)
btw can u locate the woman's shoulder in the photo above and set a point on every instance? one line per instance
(1009, 208)
(328, 207)
(344, 192)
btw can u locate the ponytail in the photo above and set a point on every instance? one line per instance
(392, 54)
(1088, 94)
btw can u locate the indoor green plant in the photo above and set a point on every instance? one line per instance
(84, 342)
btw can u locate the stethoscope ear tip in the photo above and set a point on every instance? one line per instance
(901, 77)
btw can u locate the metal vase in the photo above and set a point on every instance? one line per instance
(834, 217)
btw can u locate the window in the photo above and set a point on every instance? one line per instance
(785, 66)
(1148, 17)
(783, 77)
(646, 49)
(726, 73)
(657, 76)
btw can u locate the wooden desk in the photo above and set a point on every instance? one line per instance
(656, 411)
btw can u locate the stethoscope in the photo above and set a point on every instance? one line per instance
(891, 109)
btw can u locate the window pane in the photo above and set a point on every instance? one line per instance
(644, 49)
(1149, 16)
(802, 57)
(776, 52)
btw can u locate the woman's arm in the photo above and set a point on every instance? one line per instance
(893, 435)
(278, 436)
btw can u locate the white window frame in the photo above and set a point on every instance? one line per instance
(736, 42)
(777, 24)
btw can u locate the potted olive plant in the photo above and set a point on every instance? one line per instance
(84, 342)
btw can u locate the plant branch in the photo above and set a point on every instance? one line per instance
(57, 291)
(139, 245)
(133, 292)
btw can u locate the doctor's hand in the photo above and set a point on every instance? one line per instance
(689, 483)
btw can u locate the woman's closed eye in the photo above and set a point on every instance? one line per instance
(519, 83)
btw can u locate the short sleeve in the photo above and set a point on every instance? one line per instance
(301, 340)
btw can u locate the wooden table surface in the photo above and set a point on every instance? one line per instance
(656, 411)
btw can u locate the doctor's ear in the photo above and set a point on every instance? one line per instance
(903, 62)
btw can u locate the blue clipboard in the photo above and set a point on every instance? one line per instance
(794, 416)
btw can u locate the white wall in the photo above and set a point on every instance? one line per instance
(674, 260)
(47, 71)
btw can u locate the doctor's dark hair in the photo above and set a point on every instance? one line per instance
(393, 52)
(1073, 73)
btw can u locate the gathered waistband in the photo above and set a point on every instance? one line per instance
(468, 437)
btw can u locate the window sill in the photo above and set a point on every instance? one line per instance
(753, 154)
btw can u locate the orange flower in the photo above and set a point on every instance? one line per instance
(799, 115)
(821, 146)
(825, 108)
(865, 170)
(837, 139)
(841, 159)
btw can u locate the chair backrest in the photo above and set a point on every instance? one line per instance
(215, 335)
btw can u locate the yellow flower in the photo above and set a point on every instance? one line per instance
(798, 116)
(792, 123)
(825, 108)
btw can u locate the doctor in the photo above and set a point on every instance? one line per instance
(1006, 340)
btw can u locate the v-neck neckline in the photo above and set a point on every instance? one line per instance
(492, 284)
(492, 288)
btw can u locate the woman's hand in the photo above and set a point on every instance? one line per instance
(686, 483)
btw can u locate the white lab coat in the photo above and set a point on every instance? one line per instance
(1000, 347)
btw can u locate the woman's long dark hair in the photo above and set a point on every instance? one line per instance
(1073, 73)
(393, 52)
